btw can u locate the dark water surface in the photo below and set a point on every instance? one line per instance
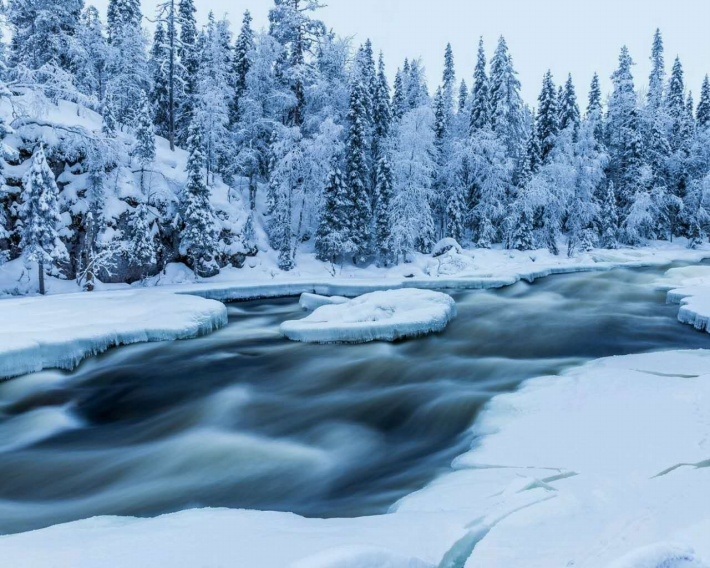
(245, 419)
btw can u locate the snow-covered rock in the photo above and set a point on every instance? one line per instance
(446, 245)
(312, 302)
(379, 316)
(59, 331)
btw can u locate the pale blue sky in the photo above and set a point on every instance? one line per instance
(577, 36)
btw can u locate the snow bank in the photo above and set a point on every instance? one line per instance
(693, 294)
(59, 331)
(379, 316)
(605, 466)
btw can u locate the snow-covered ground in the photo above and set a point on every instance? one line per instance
(378, 316)
(60, 331)
(561, 474)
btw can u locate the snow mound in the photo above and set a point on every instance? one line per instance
(379, 316)
(59, 331)
(312, 302)
(446, 245)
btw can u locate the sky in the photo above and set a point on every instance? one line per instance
(566, 36)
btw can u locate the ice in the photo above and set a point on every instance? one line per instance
(690, 287)
(379, 316)
(59, 331)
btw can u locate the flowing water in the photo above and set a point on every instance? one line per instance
(245, 419)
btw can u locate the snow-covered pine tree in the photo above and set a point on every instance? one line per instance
(382, 111)
(91, 53)
(333, 235)
(122, 13)
(696, 211)
(214, 97)
(480, 98)
(169, 16)
(399, 104)
(243, 52)
(198, 238)
(657, 79)
(188, 54)
(547, 123)
(128, 71)
(384, 192)
(142, 250)
(568, 107)
(675, 104)
(703, 110)
(160, 93)
(507, 110)
(463, 97)
(356, 174)
(594, 105)
(40, 217)
(609, 219)
(144, 149)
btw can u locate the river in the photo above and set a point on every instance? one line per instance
(246, 419)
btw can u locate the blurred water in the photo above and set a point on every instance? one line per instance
(243, 418)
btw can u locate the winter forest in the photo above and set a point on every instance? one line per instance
(294, 138)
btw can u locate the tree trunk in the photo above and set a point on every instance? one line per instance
(41, 278)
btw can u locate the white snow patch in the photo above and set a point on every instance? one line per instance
(312, 302)
(59, 331)
(379, 316)
(692, 293)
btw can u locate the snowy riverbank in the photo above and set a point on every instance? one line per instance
(559, 476)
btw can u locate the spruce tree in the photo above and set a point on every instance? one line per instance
(168, 14)
(382, 111)
(609, 220)
(188, 53)
(332, 237)
(198, 239)
(142, 249)
(160, 93)
(676, 105)
(657, 79)
(703, 110)
(356, 173)
(463, 97)
(40, 217)
(144, 150)
(480, 98)
(547, 117)
(568, 107)
(594, 105)
(242, 64)
(399, 97)
(122, 13)
(449, 83)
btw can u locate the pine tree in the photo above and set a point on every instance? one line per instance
(609, 220)
(142, 249)
(40, 217)
(676, 105)
(547, 117)
(507, 109)
(144, 149)
(160, 94)
(356, 173)
(703, 110)
(449, 84)
(198, 239)
(243, 49)
(188, 53)
(463, 97)
(122, 13)
(382, 111)
(168, 14)
(91, 55)
(595, 108)
(480, 99)
(332, 237)
(568, 107)
(657, 79)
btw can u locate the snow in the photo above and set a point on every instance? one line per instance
(692, 293)
(312, 302)
(560, 475)
(379, 316)
(59, 331)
